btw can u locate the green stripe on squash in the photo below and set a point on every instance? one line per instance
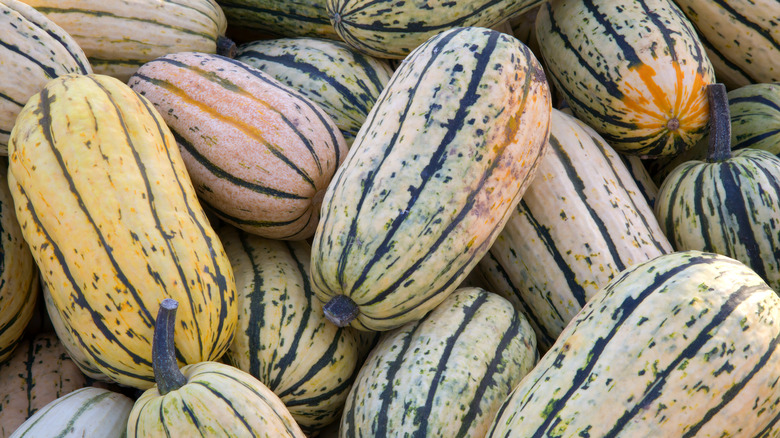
(682, 345)
(727, 203)
(431, 177)
(634, 71)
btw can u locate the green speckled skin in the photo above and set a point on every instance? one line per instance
(730, 207)
(755, 117)
(443, 376)
(742, 38)
(443, 158)
(114, 224)
(684, 345)
(282, 337)
(342, 81)
(393, 28)
(33, 50)
(287, 18)
(218, 400)
(755, 123)
(581, 221)
(635, 71)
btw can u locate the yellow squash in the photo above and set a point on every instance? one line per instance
(112, 220)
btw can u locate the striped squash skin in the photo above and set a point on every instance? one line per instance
(259, 153)
(755, 117)
(69, 341)
(635, 71)
(217, 400)
(33, 50)
(340, 80)
(283, 338)
(119, 36)
(18, 273)
(742, 38)
(432, 177)
(679, 346)
(84, 412)
(109, 256)
(644, 180)
(445, 375)
(38, 373)
(755, 123)
(392, 29)
(581, 222)
(288, 18)
(728, 207)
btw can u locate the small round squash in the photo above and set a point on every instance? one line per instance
(204, 399)
(727, 204)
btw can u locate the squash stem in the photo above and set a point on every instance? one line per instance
(341, 310)
(166, 369)
(226, 47)
(720, 124)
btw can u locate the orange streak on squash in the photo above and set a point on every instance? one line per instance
(691, 109)
(695, 113)
(264, 119)
(658, 95)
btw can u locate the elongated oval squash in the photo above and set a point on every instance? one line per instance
(33, 50)
(113, 222)
(635, 71)
(340, 80)
(119, 36)
(18, 273)
(38, 373)
(445, 375)
(742, 38)
(259, 153)
(581, 222)
(682, 345)
(288, 18)
(87, 412)
(283, 338)
(392, 29)
(444, 156)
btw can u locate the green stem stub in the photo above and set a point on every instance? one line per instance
(720, 124)
(341, 310)
(166, 369)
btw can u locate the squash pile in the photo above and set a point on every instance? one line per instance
(373, 218)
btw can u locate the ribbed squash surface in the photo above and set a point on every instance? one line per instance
(582, 221)
(259, 153)
(119, 36)
(340, 80)
(18, 273)
(283, 338)
(445, 375)
(113, 222)
(33, 50)
(443, 158)
(742, 38)
(635, 71)
(683, 345)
